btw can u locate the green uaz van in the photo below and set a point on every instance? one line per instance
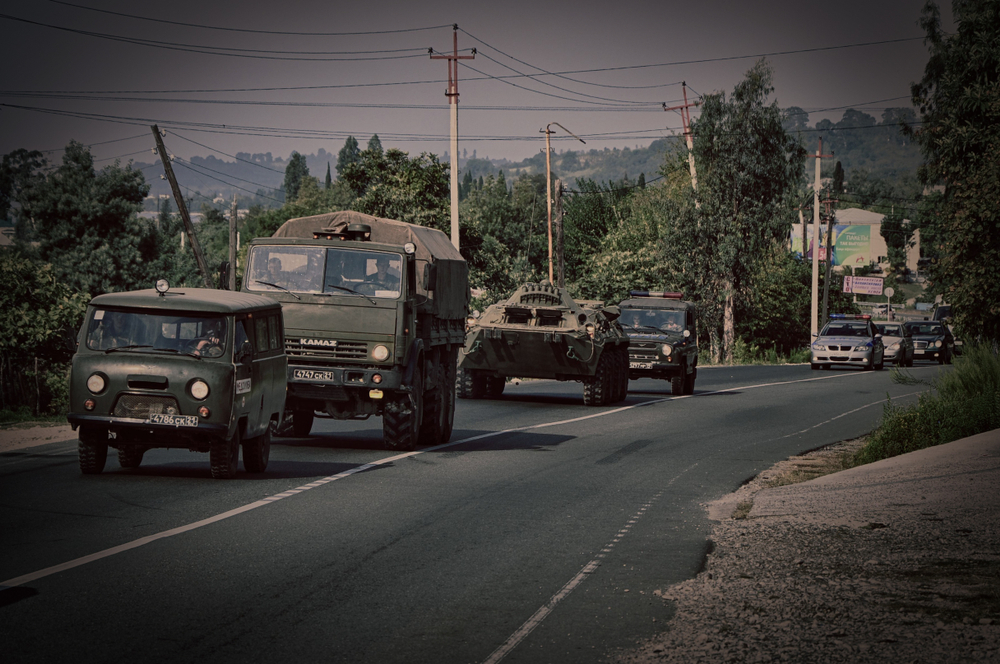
(194, 368)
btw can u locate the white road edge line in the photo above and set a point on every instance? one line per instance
(142, 541)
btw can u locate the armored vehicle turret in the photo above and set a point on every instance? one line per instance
(541, 332)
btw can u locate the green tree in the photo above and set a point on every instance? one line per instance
(374, 144)
(295, 172)
(347, 155)
(392, 185)
(749, 168)
(329, 176)
(85, 224)
(959, 103)
(898, 235)
(20, 170)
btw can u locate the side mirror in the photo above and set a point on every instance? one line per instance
(430, 277)
(613, 312)
(245, 354)
(224, 268)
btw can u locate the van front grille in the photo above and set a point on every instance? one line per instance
(141, 406)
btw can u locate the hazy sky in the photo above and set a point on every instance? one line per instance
(208, 72)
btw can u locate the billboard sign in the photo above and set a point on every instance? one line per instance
(852, 245)
(863, 285)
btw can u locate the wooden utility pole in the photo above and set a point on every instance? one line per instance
(814, 310)
(830, 216)
(232, 246)
(182, 208)
(557, 225)
(685, 110)
(452, 95)
(548, 179)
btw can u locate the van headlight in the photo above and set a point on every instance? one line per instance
(96, 383)
(199, 389)
(380, 353)
(666, 349)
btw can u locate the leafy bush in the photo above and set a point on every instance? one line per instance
(967, 402)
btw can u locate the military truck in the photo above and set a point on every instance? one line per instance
(375, 315)
(190, 368)
(541, 332)
(663, 337)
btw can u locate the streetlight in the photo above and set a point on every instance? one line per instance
(548, 180)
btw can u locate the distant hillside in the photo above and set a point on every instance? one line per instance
(858, 141)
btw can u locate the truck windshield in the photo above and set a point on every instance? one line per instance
(204, 336)
(325, 270)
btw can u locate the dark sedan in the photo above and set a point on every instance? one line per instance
(932, 341)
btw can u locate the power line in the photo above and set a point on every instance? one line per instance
(246, 30)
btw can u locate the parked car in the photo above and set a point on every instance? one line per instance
(848, 340)
(898, 343)
(932, 341)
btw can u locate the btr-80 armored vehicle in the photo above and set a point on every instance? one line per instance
(664, 338)
(540, 332)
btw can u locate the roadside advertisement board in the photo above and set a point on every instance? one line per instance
(852, 245)
(863, 285)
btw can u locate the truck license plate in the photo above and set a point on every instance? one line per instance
(306, 374)
(173, 420)
(640, 365)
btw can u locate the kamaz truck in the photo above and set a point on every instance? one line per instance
(374, 312)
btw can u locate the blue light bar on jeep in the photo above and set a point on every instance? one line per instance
(851, 316)
(663, 294)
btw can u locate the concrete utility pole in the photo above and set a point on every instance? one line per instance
(452, 95)
(814, 327)
(232, 246)
(548, 179)
(830, 219)
(685, 110)
(182, 208)
(557, 224)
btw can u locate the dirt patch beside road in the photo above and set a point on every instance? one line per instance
(19, 436)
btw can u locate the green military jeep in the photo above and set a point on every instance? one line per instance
(663, 338)
(195, 369)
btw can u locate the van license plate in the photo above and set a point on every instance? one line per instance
(306, 374)
(173, 420)
(640, 365)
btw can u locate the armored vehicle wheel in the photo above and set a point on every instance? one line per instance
(677, 384)
(596, 390)
(130, 456)
(302, 423)
(494, 386)
(401, 418)
(257, 452)
(93, 452)
(463, 384)
(478, 385)
(224, 456)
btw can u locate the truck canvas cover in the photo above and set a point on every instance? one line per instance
(450, 297)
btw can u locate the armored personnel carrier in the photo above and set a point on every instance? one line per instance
(541, 332)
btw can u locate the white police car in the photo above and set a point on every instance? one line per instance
(848, 340)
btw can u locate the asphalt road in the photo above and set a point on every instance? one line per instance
(538, 535)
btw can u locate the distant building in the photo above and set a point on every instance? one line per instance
(857, 240)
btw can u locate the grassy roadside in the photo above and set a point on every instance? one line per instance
(964, 402)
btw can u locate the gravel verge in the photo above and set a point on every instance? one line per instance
(860, 578)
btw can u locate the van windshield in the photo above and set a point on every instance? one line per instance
(324, 270)
(650, 319)
(204, 336)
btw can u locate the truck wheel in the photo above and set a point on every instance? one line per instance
(130, 456)
(494, 386)
(401, 419)
(595, 390)
(432, 428)
(93, 451)
(478, 385)
(689, 381)
(224, 455)
(302, 423)
(257, 452)
(677, 383)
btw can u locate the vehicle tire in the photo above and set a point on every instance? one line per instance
(596, 390)
(814, 366)
(463, 383)
(224, 455)
(494, 386)
(93, 451)
(619, 387)
(689, 381)
(432, 422)
(401, 418)
(881, 364)
(477, 385)
(947, 359)
(257, 452)
(909, 362)
(302, 423)
(283, 427)
(677, 384)
(624, 361)
(130, 456)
